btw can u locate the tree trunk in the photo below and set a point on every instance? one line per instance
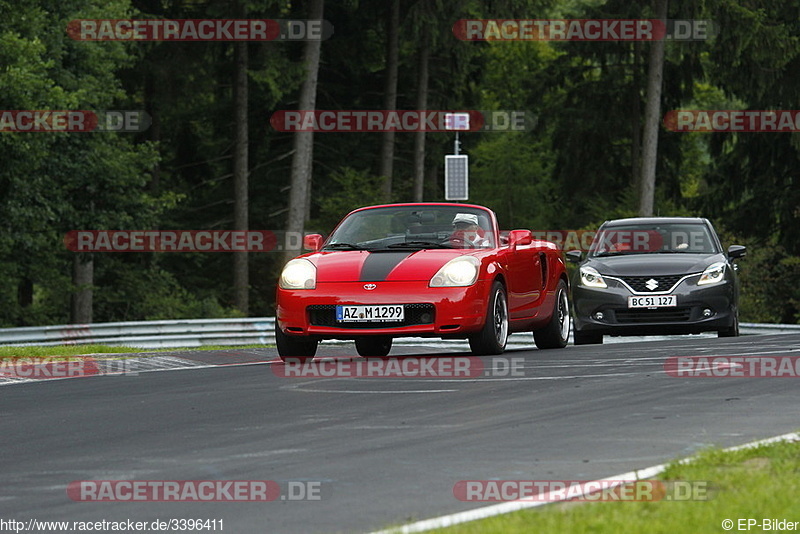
(304, 141)
(152, 98)
(241, 282)
(390, 95)
(25, 292)
(24, 299)
(652, 119)
(636, 118)
(82, 280)
(422, 104)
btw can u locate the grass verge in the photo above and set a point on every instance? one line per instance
(63, 351)
(760, 483)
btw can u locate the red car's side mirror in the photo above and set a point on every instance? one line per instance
(519, 237)
(312, 242)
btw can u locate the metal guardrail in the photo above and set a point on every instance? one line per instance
(188, 333)
(185, 333)
(762, 328)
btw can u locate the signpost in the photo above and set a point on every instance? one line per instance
(456, 167)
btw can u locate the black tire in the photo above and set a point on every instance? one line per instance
(732, 331)
(588, 338)
(556, 334)
(295, 348)
(493, 336)
(373, 346)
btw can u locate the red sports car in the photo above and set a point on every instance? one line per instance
(426, 269)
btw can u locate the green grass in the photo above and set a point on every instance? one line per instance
(758, 483)
(62, 351)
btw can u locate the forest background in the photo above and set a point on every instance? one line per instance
(211, 160)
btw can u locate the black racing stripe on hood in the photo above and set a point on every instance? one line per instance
(378, 265)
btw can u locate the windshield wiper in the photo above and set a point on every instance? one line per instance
(344, 246)
(418, 244)
(607, 254)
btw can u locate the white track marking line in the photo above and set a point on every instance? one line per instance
(155, 363)
(372, 392)
(552, 497)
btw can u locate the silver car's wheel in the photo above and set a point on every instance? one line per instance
(733, 330)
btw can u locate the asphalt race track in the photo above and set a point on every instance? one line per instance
(383, 451)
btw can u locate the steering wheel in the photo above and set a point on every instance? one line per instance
(460, 242)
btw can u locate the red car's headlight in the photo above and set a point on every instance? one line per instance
(458, 272)
(299, 273)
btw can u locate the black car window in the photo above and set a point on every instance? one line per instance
(689, 238)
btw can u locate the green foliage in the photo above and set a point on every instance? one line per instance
(353, 189)
(148, 292)
(767, 276)
(511, 174)
(574, 169)
(753, 482)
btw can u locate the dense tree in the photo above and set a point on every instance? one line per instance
(210, 159)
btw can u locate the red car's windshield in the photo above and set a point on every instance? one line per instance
(414, 227)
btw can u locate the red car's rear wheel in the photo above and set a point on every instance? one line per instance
(556, 334)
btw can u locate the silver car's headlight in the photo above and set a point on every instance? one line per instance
(591, 278)
(458, 272)
(299, 273)
(714, 274)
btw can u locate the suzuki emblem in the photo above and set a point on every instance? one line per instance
(370, 287)
(651, 284)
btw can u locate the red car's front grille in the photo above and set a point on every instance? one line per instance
(415, 314)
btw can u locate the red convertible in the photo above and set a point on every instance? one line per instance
(426, 269)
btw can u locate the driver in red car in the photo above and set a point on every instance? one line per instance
(467, 233)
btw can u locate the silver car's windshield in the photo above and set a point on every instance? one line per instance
(408, 227)
(667, 238)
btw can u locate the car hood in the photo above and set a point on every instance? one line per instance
(653, 264)
(380, 266)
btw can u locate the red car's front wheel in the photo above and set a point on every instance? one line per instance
(300, 348)
(494, 334)
(373, 346)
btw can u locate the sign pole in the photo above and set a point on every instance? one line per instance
(456, 166)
